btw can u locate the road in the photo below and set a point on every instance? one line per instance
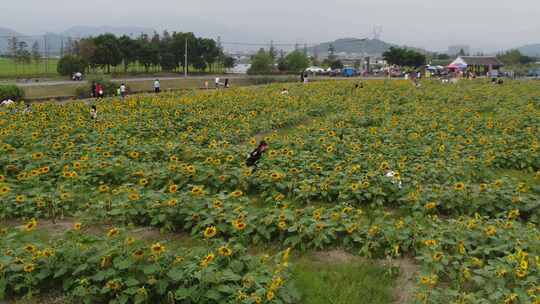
(127, 79)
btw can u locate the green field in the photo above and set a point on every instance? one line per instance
(9, 68)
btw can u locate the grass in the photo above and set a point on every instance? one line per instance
(342, 283)
(8, 68)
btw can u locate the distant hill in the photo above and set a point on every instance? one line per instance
(530, 50)
(357, 46)
(55, 40)
(87, 31)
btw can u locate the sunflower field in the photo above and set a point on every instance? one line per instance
(448, 175)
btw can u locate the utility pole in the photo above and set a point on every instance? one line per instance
(46, 54)
(185, 61)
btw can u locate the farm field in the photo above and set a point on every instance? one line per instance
(152, 203)
(8, 68)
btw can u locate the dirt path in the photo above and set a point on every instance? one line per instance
(404, 288)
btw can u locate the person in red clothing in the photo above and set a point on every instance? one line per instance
(99, 91)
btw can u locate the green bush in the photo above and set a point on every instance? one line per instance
(69, 64)
(11, 92)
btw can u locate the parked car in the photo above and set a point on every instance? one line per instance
(533, 73)
(349, 72)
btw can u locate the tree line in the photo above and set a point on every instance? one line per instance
(166, 51)
(272, 61)
(19, 52)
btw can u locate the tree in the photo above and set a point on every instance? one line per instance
(336, 64)
(70, 64)
(261, 63)
(13, 46)
(514, 57)
(461, 52)
(331, 53)
(36, 55)
(281, 62)
(107, 52)
(229, 62)
(128, 49)
(296, 61)
(404, 57)
(23, 55)
(148, 53)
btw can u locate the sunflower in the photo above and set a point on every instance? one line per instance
(207, 260)
(483, 187)
(513, 214)
(138, 254)
(20, 199)
(2, 178)
(31, 225)
(134, 196)
(113, 285)
(103, 188)
(197, 190)
(112, 232)
(44, 170)
(270, 295)
(520, 273)
(490, 231)
(210, 232)
(239, 224)
(134, 154)
(459, 186)
(430, 206)
(282, 225)
(437, 256)
(430, 243)
(173, 188)
(173, 158)
(237, 193)
(157, 248)
(172, 202)
(384, 166)
(37, 155)
(143, 182)
(354, 187)
(77, 226)
(4, 190)
(217, 204)
(225, 251)
(30, 248)
(330, 149)
(29, 268)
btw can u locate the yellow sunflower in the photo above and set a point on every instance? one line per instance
(210, 232)
(157, 249)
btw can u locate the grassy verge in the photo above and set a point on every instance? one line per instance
(342, 282)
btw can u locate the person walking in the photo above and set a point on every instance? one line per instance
(99, 91)
(217, 82)
(93, 89)
(123, 90)
(226, 85)
(157, 86)
(93, 113)
(255, 156)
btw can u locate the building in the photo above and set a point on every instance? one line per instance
(480, 65)
(455, 50)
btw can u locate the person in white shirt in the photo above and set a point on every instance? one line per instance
(217, 82)
(93, 113)
(7, 102)
(284, 91)
(157, 86)
(123, 90)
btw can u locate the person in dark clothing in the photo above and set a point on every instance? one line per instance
(226, 84)
(93, 113)
(302, 77)
(93, 89)
(255, 155)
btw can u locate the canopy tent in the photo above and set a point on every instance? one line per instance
(459, 66)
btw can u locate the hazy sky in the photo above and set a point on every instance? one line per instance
(432, 24)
